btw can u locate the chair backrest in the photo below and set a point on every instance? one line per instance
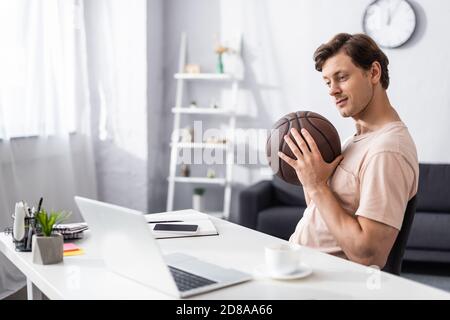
(394, 261)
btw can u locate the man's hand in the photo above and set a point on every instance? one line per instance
(312, 171)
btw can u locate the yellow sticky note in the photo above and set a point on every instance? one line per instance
(74, 252)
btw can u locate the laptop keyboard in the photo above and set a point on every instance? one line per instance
(187, 281)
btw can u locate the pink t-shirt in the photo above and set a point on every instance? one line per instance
(376, 178)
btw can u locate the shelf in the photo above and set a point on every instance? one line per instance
(203, 76)
(202, 111)
(199, 145)
(223, 111)
(220, 181)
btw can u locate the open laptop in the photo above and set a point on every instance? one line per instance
(129, 249)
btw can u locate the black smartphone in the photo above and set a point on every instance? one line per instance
(191, 228)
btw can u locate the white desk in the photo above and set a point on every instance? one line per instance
(86, 277)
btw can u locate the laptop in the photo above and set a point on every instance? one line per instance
(129, 249)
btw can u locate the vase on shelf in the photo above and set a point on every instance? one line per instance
(220, 63)
(197, 199)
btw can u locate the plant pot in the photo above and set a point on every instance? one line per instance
(48, 250)
(197, 202)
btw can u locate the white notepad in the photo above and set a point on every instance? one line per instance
(205, 225)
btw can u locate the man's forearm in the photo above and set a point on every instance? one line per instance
(345, 228)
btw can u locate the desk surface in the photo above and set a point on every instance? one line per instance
(86, 276)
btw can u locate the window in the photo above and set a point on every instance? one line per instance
(39, 67)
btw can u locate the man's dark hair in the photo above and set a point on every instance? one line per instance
(360, 48)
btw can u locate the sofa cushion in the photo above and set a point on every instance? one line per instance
(441, 256)
(279, 221)
(288, 194)
(430, 230)
(434, 186)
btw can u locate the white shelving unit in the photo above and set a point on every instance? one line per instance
(202, 76)
(179, 110)
(199, 145)
(202, 111)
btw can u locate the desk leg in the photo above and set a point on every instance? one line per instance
(33, 293)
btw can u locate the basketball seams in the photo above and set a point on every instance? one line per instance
(335, 153)
(306, 114)
(323, 136)
(306, 118)
(270, 135)
(282, 142)
(280, 163)
(312, 117)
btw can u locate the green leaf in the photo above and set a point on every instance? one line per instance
(48, 220)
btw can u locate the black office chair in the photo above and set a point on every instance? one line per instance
(395, 259)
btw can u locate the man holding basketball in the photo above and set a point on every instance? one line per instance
(356, 204)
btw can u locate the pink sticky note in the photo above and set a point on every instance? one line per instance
(70, 247)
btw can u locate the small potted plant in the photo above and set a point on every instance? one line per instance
(197, 199)
(220, 50)
(47, 245)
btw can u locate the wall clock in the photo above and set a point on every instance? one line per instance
(391, 23)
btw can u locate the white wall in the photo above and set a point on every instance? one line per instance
(280, 37)
(157, 118)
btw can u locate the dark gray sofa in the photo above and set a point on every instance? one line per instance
(274, 207)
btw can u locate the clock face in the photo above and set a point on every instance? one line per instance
(389, 22)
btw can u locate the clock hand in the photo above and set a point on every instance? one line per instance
(389, 9)
(391, 13)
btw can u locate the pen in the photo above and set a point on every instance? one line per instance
(39, 205)
(165, 221)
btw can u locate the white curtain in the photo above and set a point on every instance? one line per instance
(117, 56)
(45, 114)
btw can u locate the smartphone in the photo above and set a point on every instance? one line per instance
(189, 228)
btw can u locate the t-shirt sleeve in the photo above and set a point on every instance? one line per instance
(386, 183)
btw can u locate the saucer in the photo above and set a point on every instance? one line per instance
(302, 271)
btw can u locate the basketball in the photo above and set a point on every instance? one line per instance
(322, 131)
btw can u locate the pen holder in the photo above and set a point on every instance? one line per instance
(25, 244)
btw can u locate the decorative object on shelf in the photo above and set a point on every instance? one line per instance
(185, 170)
(211, 173)
(48, 246)
(390, 23)
(213, 104)
(228, 47)
(187, 135)
(192, 68)
(220, 50)
(197, 199)
(215, 140)
(193, 104)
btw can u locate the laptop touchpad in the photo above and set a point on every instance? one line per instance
(201, 268)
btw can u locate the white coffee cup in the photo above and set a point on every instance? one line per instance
(282, 259)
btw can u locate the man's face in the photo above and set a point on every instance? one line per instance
(350, 86)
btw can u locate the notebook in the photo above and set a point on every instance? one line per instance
(205, 225)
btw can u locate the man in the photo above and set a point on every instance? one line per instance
(356, 204)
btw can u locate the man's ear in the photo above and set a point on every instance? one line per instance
(375, 72)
